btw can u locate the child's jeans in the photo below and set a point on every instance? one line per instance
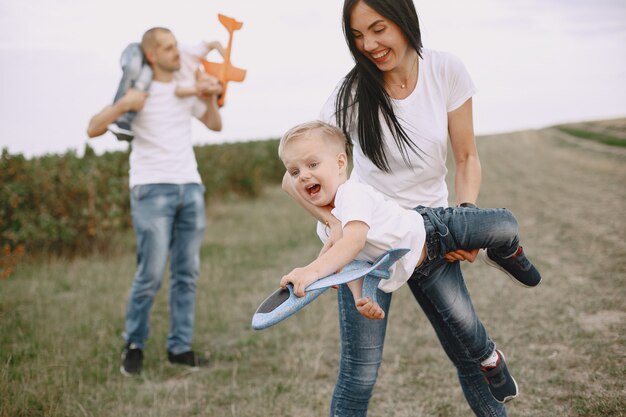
(452, 228)
(136, 73)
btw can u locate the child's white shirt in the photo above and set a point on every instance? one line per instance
(390, 227)
(190, 57)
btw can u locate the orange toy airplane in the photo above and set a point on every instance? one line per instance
(225, 71)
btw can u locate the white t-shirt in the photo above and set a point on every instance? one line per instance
(162, 151)
(443, 85)
(390, 227)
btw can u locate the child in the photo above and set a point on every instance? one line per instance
(315, 157)
(191, 69)
(137, 74)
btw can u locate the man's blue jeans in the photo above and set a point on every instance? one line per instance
(136, 73)
(439, 288)
(169, 220)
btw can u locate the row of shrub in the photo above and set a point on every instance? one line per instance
(68, 205)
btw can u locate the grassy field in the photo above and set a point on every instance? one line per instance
(608, 132)
(60, 321)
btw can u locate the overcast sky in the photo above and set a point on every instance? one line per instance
(535, 63)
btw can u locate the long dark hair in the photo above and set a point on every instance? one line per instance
(370, 95)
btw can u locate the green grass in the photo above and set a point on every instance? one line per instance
(597, 137)
(61, 324)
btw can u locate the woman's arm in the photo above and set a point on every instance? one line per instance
(467, 176)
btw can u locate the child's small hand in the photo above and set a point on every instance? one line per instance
(300, 278)
(370, 309)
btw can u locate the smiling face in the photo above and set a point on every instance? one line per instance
(380, 39)
(317, 166)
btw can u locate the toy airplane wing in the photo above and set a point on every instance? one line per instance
(225, 71)
(358, 269)
(283, 303)
(230, 73)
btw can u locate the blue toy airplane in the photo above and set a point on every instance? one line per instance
(283, 302)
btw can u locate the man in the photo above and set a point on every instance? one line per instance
(167, 197)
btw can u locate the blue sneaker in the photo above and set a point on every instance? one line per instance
(501, 384)
(516, 266)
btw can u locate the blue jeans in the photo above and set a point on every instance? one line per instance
(168, 220)
(439, 288)
(136, 73)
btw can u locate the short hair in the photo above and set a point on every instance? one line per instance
(149, 40)
(328, 131)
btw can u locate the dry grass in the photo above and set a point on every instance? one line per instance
(60, 322)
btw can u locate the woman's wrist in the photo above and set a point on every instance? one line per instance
(468, 205)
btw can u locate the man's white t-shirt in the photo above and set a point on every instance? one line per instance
(162, 151)
(443, 85)
(390, 227)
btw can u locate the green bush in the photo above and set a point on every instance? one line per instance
(69, 205)
(241, 168)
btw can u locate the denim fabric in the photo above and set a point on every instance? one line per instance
(136, 73)
(439, 288)
(168, 220)
(362, 342)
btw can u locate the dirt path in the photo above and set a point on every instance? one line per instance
(570, 197)
(569, 193)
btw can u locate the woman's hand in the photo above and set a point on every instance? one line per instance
(335, 233)
(461, 255)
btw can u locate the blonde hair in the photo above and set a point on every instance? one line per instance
(327, 131)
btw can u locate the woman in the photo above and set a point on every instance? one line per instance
(397, 106)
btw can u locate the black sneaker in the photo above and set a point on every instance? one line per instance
(132, 360)
(121, 132)
(501, 384)
(517, 266)
(189, 358)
